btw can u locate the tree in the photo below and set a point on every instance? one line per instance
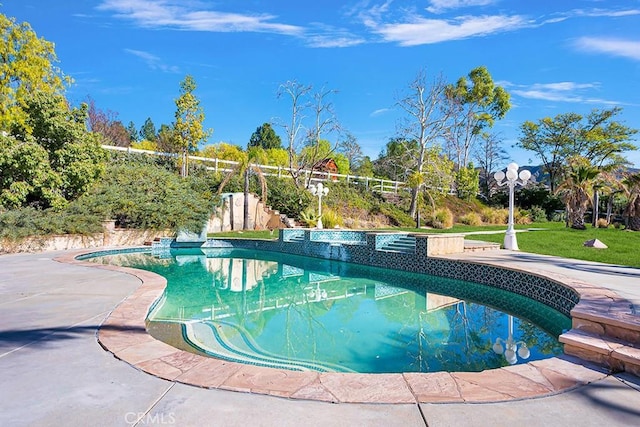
(488, 153)
(424, 125)
(49, 158)
(148, 130)
(27, 67)
(133, 132)
(106, 124)
(474, 105)
(351, 150)
(188, 127)
(265, 137)
(576, 191)
(597, 138)
(632, 191)
(165, 139)
(395, 161)
(324, 121)
(297, 93)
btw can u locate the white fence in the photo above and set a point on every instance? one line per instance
(218, 165)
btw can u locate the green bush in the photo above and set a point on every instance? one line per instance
(285, 197)
(309, 218)
(537, 214)
(494, 216)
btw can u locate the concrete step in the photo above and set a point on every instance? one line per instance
(615, 354)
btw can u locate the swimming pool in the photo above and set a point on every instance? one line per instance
(301, 313)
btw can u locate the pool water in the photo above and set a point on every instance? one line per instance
(300, 313)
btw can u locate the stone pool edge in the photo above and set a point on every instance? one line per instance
(124, 334)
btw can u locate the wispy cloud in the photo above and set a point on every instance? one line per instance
(183, 15)
(152, 61)
(438, 6)
(420, 30)
(379, 112)
(561, 92)
(328, 36)
(617, 47)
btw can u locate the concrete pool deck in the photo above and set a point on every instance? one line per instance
(55, 372)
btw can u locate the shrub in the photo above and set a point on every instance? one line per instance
(537, 214)
(331, 218)
(442, 218)
(521, 216)
(309, 218)
(494, 216)
(285, 197)
(472, 218)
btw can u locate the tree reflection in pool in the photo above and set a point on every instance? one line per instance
(286, 311)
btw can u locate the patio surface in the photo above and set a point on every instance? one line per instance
(55, 372)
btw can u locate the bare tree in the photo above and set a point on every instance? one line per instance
(489, 153)
(325, 122)
(297, 93)
(351, 150)
(424, 125)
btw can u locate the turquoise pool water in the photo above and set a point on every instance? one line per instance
(300, 313)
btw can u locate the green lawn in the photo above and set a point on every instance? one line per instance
(551, 239)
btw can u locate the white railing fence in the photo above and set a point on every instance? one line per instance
(219, 165)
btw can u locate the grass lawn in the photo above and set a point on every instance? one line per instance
(552, 239)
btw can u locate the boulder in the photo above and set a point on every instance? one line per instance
(595, 243)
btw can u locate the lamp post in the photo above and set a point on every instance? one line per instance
(511, 179)
(320, 191)
(509, 347)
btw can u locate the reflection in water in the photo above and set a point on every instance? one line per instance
(303, 313)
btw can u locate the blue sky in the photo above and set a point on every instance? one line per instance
(553, 57)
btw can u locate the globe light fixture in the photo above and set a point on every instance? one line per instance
(511, 179)
(510, 348)
(320, 191)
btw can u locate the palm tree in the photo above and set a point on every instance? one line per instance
(246, 167)
(632, 212)
(576, 191)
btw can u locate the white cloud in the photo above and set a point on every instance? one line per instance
(153, 61)
(428, 31)
(562, 92)
(617, 47)
(379, 112)
(437, 6)
(177, 15)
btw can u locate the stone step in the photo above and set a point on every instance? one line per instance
(617, 355)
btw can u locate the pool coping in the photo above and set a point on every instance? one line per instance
(124, 334)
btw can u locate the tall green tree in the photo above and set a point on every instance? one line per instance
(631, 185)
(189, 125)
(148, 130)
(27, 66)
(48, 158)
(265, 137)
(598, 138)
(132, 131)
(474, 104)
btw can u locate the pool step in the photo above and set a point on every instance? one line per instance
(404, 244)
(615, 354)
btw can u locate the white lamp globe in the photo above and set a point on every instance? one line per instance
(513, 166)
(499, 176)
(497, 348)
(510, 355)
(525, 175)
(512, 174)
(524, 352)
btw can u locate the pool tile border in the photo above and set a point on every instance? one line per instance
(123, 333)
